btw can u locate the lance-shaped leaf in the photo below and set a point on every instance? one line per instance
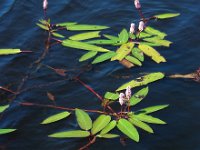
(152, 31)
(128, 129)
(88, 56)
(136, 52)
(64, 24)
(108, 136)
(44, 27)
(144, 80)
(109, 127)
(9, 51)
(123, 36)
(144, 35)
(3, 108)
(167, 15)
(111, 96)
(56, 117)
(152, 109)
(123, 51)
(84, 27)
(104, 57)
(140, 124)
(158, 41)
(83, 119)
(58, 35)
(71, 134)
(102, 42)
(149, 119)
(139, 96)
(151, 52)
(111, 37)
(83, 46)
(150, 44)
(6, 131)
(85, 36)
(101, 122)
(133, 60)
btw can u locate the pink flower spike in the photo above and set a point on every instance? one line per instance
(45, 4)
(121, 98)
(141, 26)
(137, 4)
(132, 28)
(128, 92)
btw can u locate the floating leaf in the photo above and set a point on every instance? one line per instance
(152, 31)
(71, 134)
(3, 108)
(144, 80)
(84, 27)
(102, 42)
(151, 52)
(104, 57)
(101, 122)
(152, 109)
(58, 35)
(111, 37)
(123, 36)
(83, 119)
(64, 24)
(123, 51)
(111, 96)
(167, 15)
(150, 44)
(128, 129)
(9, 51)
(88, 56)
(136, 52)
(56, 117)
(109, 127)
(133, 60)
(83, 46)
(108, 136)
(158, 41)
(85, 36)
(144, 35)
(42, 26)
(139, 96)
(6, 131)
(149, 119)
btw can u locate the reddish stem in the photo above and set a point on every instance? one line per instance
(7, 90)
(90, 143)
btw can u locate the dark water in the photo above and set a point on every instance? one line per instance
(18, 30)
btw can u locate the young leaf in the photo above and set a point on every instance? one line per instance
(56, 117)
(104, 57)
(64, 24)
(108, 136)
(109, 127)
(111, 96)
(152, 31)
(58, 35)
(151, 52)
(71, 134)
(3, 108)
(139, 96)
(6, 131)
(167, 15)
(88, 56)
(83, 119)
(158, 41)
(128, 129)
(83, 46)
(42, 26)
(85, 36)
(149, 119)
(9, 51)
(84, 27)
(144, 80)
(152, 109)
(102, 42)
(133, 60)
(144, 35)
(123, 36)
(101, 122)
(111, 37)
(150, 44)
(136, 52)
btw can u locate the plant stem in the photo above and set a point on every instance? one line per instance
(90, 143)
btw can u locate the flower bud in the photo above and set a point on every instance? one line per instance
(141, 26)
(137, 4)
(45, 4)
(121, 98)
(132, 28)
(128, 92)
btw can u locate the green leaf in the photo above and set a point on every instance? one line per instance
(149, 119)
(9, 51)
(151, 52)
(6, 131)
(84, 27)
(123, 51)
(124, 36)
(158, 41)
(128, 129)
(83, 119)
(83, 46)
(104, 57)
(88, 56)
(108, 136)
(133, 60)
(42, 26)
(140, 124)
(64, 24)
(139, 96)
(111, 96)
(152, 31)
(101, 122)
(111, 37)
(144, 35)
(71, 134)
(56, 117)
(109, 127)
(3, 108)
(136, 52)
(167, 15)
(152, 109)
(150, 44)
(144, 80)
(85, 36)
(58, 35)
(102, 42)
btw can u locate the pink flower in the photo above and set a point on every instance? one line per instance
(137, 4)
(128, 92)
(132, 28)
(141, 26)
(121, 98)
(45, 4)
